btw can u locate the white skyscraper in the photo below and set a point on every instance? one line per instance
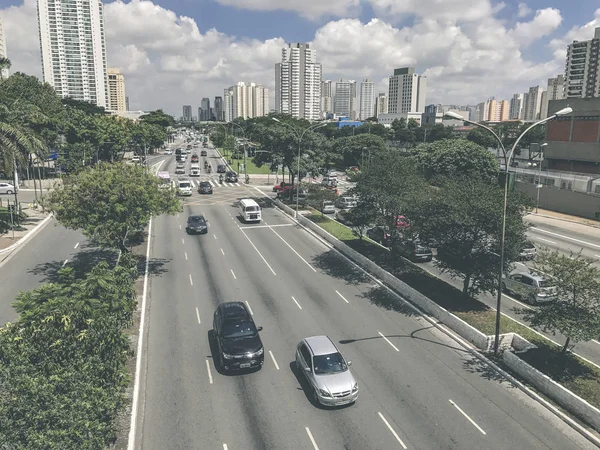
(246, 100)
(381, 104)
(4, 73)
(532, 103)
(326, 98)
(367, 99)
(407, 91)
(344, 100)
(298, 82)
(516, 107)
(74, 49)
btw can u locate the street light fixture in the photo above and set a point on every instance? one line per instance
(539, 180)
(299, 136)
(507, 158)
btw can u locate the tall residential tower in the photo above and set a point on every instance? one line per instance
(344, 100)
(582, 69)
(367, 99)
(74, 49)
(116, 91)
(4, 72)
(407, 91)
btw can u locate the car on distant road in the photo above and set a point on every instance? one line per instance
(204, 187)
(196, 225)
(195, 158)
(236, 337)
(328, 208)
(528, 252)
(231, 177)
(203, 153)
(345, 202)
(168, 151)
(184, 188)
(194, 170)
(6, 188)
(411, 249)
(380, 234)
(136, 160)
(326, 371)
(530, 287)
(180, 168)
(221, 168)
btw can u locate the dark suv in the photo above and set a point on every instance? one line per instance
(238, 343)
(221, 168)
(231, 177)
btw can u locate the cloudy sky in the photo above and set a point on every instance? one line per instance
(175, 52)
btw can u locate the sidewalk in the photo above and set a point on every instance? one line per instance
(565, 217)
(34, 218)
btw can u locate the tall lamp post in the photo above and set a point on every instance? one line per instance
(299, 136)
(507, 159)
(539, 180)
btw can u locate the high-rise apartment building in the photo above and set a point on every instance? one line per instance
(298, 82)
(582, 69)
(555, 91)
(367, 99)
(219, 109)
(246, 100)
(127, 103)
(326, 98)
(532, 103)
(516, 107)
(381, 104)
(344, 100)
(3, 72)
(407, 91)
(187, 113)
(116, 90)
(205, 110)
(73, 49)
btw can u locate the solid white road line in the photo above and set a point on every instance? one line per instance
(180, 227)
(140, 346)
(233, 273)
(259, 253)
(222, 252)
(312, 439)
(225, 447)
(210, 379)
(182, 241)
(208, 223)
(215, 236)
(298, 304)
(343, 298)
(185, 253)
(567, 237)
(198, 315)
(268, 226)
(546, 240)
(76, 245)
(388, 341)
(294, 250)
(468, 418)
(387, 424)
(273, 358)
(249, 309)
(65, 263)
(191, 282)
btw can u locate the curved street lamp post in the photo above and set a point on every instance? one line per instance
(507, 159)
(299, 136)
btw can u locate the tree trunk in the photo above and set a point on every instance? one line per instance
(466, 283)
(566, 346)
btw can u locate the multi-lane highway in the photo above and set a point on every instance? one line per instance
(418, 388)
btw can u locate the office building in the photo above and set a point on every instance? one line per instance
(326, 98)
(555, 91)
(73, 49)
(127, 103)
(187, 113)
(298, 82)
(367, 99)
(381, 104)
(532, 102)
(516, 107)
(344, 99)
(3, 54)
(246, 100)
(204, 114)
(116, 90)
(219, 109)
(407, 91)
(582, 69)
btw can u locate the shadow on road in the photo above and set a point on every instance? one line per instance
(383, 298)
(333, 265)
(308, 390)
(475, 365)
(81, 263)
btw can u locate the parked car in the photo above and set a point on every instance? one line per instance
(530, 287)
(528, 252)
(282, 185)
(328, 208)
(301, 199)
(380, 234)
(231, 177)
(326, 370)
(204, 187)
(196, 225)
(6, 188)
(136, 159)
(236, 336)
(345, 202)
(412, 249)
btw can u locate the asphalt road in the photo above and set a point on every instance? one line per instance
(419, 389)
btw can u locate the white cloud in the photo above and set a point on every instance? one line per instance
(582, 33)
(435, 9)
(310, 9)
(523, 10)
(167, 61)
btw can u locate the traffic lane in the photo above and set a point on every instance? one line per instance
(39, 261)
(567, 228)
(177, 409)
(441, 353)
(285, 322)
(267, 393)
(564, 244)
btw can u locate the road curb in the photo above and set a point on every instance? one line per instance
(546, 216)
(8, 251)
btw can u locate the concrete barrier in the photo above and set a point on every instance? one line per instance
(461, 327)
(552, 389)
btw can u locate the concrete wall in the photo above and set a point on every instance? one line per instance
(555, 391)
(564, 200)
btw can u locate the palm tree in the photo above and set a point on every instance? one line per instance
(5, 64)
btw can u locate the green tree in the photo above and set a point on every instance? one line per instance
(5, 64)
(83, 106)
(464, 216)
(433, 133)
(361, 217)
(355, 150)
(110, 201)
(482, 137)
(456, 158)
(317, 194)
(576, 312)
(158, 117)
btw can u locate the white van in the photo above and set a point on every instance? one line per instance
(195, 170)
(249, 210)
(184, 188)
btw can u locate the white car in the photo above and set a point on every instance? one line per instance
(184, 188)
(136, 160)
(328, 208)
(6, 188)
(168, 151)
